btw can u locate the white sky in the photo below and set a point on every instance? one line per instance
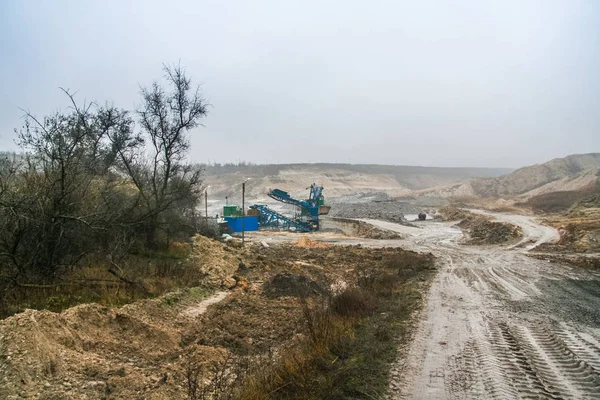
(436, 83)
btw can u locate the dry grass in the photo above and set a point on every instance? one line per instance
(136, 277)
(351, 337)
(341, 344)
(354, 302)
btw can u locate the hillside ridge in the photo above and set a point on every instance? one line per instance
(580, 169)
(338, 179)
(576, 172)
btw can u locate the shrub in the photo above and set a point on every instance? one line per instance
(354, 302)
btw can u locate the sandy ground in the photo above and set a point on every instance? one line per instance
(499, 324)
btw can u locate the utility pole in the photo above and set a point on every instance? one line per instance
(243, 207)
(206, 206)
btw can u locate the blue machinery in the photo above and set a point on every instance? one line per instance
(310, 209)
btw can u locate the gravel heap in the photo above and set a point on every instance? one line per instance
(382, 210)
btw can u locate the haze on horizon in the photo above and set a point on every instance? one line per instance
(433, 83)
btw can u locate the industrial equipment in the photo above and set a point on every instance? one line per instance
(307, 221)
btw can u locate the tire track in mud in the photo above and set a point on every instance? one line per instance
(582, 375)
(526, 284)
(584, 346)
(509, 288)
(478, 283)
(512, 361)
(463, 380)
(477, 374)
(519, 368)
(521, 328)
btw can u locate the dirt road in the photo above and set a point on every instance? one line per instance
(500, 325)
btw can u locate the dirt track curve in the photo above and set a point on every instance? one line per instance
(499, 324)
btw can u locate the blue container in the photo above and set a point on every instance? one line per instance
(235, 223)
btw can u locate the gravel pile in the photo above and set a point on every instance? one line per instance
(360, 198)
(385, 210)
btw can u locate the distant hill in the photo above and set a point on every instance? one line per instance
(338, 179)
(572, 173)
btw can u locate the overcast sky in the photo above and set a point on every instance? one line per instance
(435, 83)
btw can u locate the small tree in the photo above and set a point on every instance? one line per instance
(163, 178)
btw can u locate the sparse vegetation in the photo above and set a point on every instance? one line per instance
(148, 274)
(336, 342)
(93, 202)
(350, 338)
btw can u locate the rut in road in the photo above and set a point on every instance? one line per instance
(498, 324)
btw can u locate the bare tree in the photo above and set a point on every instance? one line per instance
(163, 178)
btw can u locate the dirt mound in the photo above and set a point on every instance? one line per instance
(91, 351)
(588, 207)
(451, 213)
(580, 235)
(579, 227)
(214, 260)
(483, 231)
(87, 349)
(365, 230)
(286, 284)
(309, 243)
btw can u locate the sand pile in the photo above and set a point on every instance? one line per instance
(308, 243)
